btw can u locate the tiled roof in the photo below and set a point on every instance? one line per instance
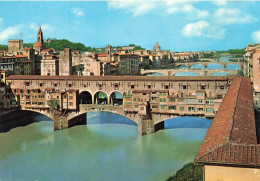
(21, 56)
(49, 89)
(120, 78)
(142, 91)
(37, 44)
(102, 55)
(73, 90)
(231, 137)
(46, 50)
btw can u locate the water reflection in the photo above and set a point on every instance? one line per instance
(215, 66)
(220, 74)
(97, 151)
(186, 74)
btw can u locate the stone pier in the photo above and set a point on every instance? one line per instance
(63, 121)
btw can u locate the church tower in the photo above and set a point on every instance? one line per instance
(40, 36)
(108, 52)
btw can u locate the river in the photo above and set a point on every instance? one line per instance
(107, 148)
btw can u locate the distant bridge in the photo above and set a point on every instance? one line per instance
(201, 72)
(205, 64)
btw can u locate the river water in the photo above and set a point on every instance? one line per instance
(107, 148)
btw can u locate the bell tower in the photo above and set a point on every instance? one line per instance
(40, 36)
(108, 52)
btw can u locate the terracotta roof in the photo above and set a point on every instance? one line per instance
(21, 56)
(37, 44)
(27, 62)
(27, 48)
(231, 137)
(141, 91)
(123, 78)
(49, 89)
(102, 55)
(46, 50)
(73, 90)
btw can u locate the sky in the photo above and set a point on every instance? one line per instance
(176, 25)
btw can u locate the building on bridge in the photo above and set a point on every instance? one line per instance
(251, 68)
(147, 101)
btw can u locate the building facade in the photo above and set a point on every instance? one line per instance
(65, 62)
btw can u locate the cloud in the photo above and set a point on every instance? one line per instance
(78, 12)
(256, 36)
(9, 32)
(228, 16)
(139, 8)
(220, 2)
(45, 27)
(188, 9)
(1, 20)
(203, 29)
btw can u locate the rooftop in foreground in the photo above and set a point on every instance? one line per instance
(231, 138)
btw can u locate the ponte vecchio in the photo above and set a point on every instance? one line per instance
(147, 101)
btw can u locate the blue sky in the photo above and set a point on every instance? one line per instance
(176, 25)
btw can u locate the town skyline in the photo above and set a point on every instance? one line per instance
(187, 26)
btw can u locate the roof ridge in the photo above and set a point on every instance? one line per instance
(234, 111)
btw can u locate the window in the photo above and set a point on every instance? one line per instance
(172, 107)
(162, 106)
(132, 86)
(209, 102)
(181, 108)
(203, 87)
(71, 97)
(200, 101)
(191, 108)
(154, 98)
(184, 87)
(149, 86)
(200, 109)
(27, 83)
(219, 96)
(55, 85)
(154, 106)
(71, 103)
(144, 94)
(136, 106)
(70, 85)
(222, 87)
(40, 84)
(209, 109)
(138, 99)
(172, 99)
(166, 87)
(134, 99)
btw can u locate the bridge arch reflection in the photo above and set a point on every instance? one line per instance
(183, 122)
(215, 66)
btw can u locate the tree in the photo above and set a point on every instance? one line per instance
(54, 104)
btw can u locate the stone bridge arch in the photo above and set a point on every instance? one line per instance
(105, 108)
(215, 63)
(45, 112)
(113, 100)
(159, 120)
